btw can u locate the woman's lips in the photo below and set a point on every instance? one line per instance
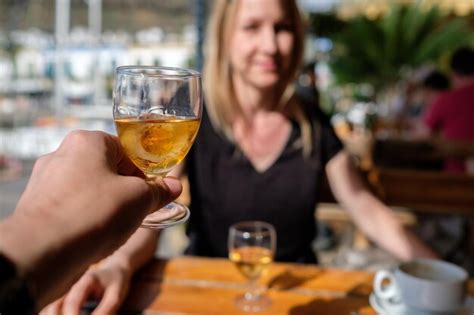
(267, 66)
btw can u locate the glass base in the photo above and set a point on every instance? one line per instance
(253, 303)
(171, 214)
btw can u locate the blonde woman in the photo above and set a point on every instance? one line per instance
(260, 155)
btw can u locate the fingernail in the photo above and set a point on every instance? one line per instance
(174, 184)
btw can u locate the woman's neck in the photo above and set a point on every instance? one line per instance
(253, 100)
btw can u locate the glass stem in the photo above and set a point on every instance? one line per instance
(254, 290)
(152, 177)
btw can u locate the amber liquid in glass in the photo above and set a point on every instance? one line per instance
(252, 261)
(156, 144)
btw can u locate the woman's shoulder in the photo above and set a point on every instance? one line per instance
(207, 132)
(315, 114)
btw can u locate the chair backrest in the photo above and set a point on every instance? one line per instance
(426, 154)
(427, 191)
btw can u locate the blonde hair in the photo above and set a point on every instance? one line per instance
(221, 101)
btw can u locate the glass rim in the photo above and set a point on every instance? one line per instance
(158, 71)
(239, 227)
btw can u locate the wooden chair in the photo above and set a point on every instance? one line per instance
(426, 154)
(424, 191)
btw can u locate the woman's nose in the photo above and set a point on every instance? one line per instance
(268, 40)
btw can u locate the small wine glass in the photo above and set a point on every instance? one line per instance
(252, 247)
(157, 112)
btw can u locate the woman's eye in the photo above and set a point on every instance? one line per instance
(250, 27)
(282, 27)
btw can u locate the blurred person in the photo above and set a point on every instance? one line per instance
(260, 155)
(81, 203)
(451, 115)
(420, 96)
(431, 87)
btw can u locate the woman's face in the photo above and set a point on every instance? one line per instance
(261, 43)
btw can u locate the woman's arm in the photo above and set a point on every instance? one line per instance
(137, 251)
(109, 282)
(374, 218)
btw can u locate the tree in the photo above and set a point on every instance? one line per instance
(378, 51)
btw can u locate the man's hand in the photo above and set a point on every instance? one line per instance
(81, 203)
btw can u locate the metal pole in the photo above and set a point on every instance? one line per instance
(61, 33)
(199, 10)
(95, 29)
(95, 17)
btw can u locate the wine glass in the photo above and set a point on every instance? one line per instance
(157, 112)
(252, 247)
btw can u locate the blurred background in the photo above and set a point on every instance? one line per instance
(366, 63)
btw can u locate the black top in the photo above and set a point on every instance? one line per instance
(225, 188)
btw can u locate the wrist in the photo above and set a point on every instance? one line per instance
(137, 251)
(121, 261)
(25, 248)
(36, 244)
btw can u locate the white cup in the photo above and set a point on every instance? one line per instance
(423, 284)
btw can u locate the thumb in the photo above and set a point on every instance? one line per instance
(137, 199)
(174, 186)
(164, 190)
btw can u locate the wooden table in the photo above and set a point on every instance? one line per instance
(190, 285)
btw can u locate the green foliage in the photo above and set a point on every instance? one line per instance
(378, 51)
(325, 24)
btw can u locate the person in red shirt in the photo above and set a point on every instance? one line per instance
(451, 116)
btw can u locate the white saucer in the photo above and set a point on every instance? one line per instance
(383, 307)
